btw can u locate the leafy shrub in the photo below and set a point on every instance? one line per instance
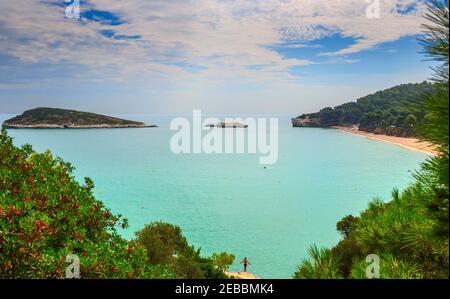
(166, 244)
(223, 260)
(162, 241)
(347, 225)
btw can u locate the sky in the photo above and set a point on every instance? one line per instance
(220, 56)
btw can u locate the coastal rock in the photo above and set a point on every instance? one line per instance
(228, 125)
(241, 275)
(306, 122)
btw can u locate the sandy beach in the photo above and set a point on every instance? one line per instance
(241, 275)
(409, 143)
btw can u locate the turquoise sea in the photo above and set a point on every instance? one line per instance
(229, 202)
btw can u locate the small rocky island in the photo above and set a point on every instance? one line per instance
(228, 125)
(43, 118)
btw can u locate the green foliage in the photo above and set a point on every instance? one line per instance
(435, 41)
(402, 228)
(434, 177)
(392, 111)
(434, 173)
(400, 232)
(321, 265)
(223, 261)
(163, 241)
(390, 268)
(165, 244)
(347, 225)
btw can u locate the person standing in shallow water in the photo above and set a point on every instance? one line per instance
(245, 262)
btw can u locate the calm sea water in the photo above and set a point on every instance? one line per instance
(231, 202)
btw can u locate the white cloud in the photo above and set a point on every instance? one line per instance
(219, 39)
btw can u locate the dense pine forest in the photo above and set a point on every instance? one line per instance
(394, 111)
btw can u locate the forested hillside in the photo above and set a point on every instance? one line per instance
(394, 111)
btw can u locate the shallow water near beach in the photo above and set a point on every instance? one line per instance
(229, 202)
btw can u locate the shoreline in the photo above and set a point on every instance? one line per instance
(241, 275)
(413, 144)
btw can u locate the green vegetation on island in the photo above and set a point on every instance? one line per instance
(393, 111)
(409, 233)
(63, 118)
